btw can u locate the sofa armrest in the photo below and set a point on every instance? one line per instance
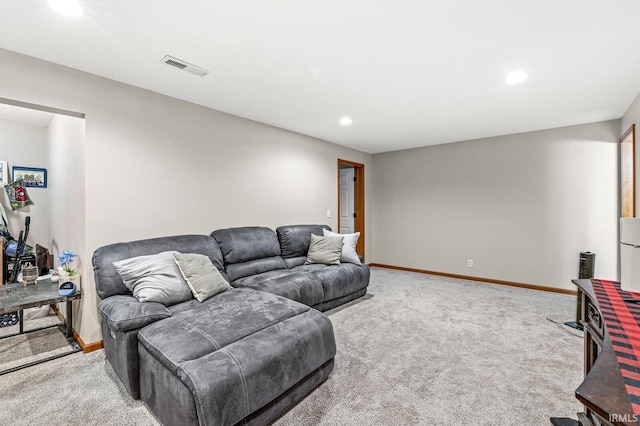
(125, 313)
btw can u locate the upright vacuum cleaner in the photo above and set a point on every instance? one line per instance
(22, 241)
(12, 318)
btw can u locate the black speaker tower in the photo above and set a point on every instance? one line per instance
(586, 268)
(587, 264)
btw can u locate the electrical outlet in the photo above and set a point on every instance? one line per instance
(469, 263)
(328, 212)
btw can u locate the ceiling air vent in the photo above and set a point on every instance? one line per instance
(185, 66)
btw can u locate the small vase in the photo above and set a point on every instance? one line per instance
(65, 277)
(73, 278)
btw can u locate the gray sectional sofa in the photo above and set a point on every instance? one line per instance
(245, 355)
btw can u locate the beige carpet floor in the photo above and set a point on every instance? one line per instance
(418, 349)
(427, 350)
(32, 346)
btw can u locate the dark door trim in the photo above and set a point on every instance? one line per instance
(628, 173)
(359, 201)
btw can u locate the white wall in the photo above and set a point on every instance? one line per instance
(521, 206)
(65, 163)
(157, 166)
(25, 145)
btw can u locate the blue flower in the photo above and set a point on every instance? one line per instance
(66, 257)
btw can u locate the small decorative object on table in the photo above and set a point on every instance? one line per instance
(67, 288)
(66, 272)
(29, 274)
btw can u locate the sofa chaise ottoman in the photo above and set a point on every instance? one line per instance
(247, 357)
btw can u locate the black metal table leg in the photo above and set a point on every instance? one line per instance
(69, 319)
(21, 320)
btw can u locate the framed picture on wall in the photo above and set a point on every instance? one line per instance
(32, 177)
(4, 173)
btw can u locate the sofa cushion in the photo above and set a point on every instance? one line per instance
(254, 267)
(338, 280)
(154, 278)
(330, 304)
(308, 268)
(292, 285)
(294, 239)
(204, 279)
(247, 243)
(236, 314)
(295, 261)
(124, 313)
(109, 283)
(240, 353)
(248, 251)
(189, 304)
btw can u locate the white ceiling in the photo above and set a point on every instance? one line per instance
(411, 72)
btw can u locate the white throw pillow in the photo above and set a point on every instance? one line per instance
(349, 254)
(154, 278)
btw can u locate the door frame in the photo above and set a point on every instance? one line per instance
(359, 200)
(627, 172)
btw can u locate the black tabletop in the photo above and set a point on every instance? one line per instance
(14, 297)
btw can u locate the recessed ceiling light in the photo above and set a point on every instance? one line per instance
(66, 7)
(515, 77)
(346, 121)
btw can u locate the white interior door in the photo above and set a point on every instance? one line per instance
(347, 200)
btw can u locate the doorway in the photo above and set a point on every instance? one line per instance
(351, 200)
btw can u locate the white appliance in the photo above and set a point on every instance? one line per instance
(630, 254)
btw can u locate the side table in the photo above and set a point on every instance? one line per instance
(16, 297)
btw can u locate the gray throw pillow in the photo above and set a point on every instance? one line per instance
(154, 278)
(349, 254)
(325, 250)
(201, 276)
